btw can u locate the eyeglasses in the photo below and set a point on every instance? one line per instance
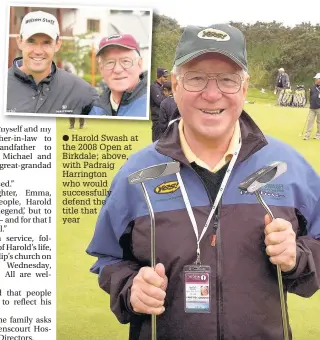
(125, 62)
(194, 81)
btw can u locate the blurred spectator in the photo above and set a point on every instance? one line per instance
(314, 111)
(156, 97)
(282, 81)
(282, 84)
(168, 108)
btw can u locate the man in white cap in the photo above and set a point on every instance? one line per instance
(314, 111)
(35, 83)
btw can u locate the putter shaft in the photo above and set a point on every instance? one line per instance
(140, 176)
(279, 275)
(153, 253)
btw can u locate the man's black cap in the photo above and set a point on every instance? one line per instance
(220, 38)
(162, 72)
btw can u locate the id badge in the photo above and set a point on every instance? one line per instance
(197, 289)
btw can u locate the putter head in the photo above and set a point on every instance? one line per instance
(263, 176)
(153, 172)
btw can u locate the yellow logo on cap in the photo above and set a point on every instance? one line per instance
(167, 187)
(212, 33)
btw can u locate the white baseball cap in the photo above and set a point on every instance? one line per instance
(281, 69)
(39, 22)
(317, 76)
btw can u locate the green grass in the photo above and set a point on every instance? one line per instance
(83, 311)
(256, 96)
(287, 124)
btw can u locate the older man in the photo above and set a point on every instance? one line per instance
(35, 83)
(217, 145)
(282, 88)
(314, 110)
(121, 68)
(282, 81)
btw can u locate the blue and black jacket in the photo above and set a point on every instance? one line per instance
(133, 104)
(244, 289)
(315, 97)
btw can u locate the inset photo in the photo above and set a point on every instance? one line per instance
(79, 62)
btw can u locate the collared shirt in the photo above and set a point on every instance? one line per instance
(191, 157)
(18, 62)
(60, 93)
(114, 105)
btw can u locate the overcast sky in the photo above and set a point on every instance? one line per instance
(207, 12)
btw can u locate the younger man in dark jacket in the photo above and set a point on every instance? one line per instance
(156, 97)
(314, 111)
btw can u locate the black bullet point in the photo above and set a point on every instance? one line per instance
(65, 138)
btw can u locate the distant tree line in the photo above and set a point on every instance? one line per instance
(270, 45)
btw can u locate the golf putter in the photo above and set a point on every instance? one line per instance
(142, 176)
(253, 184)
(305, 125)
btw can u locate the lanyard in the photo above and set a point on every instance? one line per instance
(215, 204)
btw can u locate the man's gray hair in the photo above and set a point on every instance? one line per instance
(137, 56)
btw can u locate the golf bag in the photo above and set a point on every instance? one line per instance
(299, 97)
(285, 97)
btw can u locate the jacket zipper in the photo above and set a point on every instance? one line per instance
(216, 242)
(219, 277)
(215, 228)
(38, 95)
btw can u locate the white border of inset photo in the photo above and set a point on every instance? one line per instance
(95, 39)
